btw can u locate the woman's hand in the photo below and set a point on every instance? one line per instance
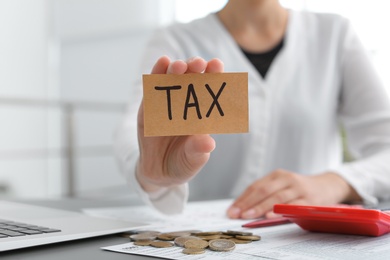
(173, 160)
(287, 187)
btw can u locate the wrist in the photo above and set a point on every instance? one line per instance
(144, 183)
(345, 193)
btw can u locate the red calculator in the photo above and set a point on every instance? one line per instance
(340, 220)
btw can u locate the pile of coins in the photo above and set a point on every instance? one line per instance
(195, 241)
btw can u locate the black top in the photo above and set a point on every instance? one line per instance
(262, 61)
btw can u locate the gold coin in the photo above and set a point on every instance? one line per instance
(179, 234)
(222, 245)
(225, 236)
(143, 243)
(240, 241)
(252, 237)
(194, 231)
(237, 233)
(196, 243)
(149, 232)
(208, 238)
(193, 251)
(161, 244)
(165, 237)
(142, 237)
(180, 241)
(207, 233)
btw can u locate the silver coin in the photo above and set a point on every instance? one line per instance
(222, 245)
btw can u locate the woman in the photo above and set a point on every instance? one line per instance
(308, 74)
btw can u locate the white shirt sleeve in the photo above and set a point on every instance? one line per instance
(166, 200)
(365, 114)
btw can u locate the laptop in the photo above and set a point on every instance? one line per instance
(23, 225)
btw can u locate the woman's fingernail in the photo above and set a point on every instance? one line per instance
(249, 214)
(234, 212)
(193, 58)
(271, 214)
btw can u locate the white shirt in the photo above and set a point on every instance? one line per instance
(321, 79)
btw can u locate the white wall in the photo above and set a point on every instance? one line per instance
(369, 18)
(23, 46)
(74, 52)
(100, 47)
(24, 74)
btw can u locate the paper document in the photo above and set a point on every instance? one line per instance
(176, 252)
(285, 242)
(204, 215)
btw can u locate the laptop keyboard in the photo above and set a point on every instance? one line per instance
(16, 229)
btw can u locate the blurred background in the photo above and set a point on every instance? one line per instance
(65, 70)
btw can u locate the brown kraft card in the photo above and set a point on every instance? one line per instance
(198, 103)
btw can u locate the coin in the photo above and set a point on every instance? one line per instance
(207, 233)
(237, 233)
(179, 234)
(193, 251)
(194, 231)
(240, 241)
(226, 236)
(208, 238)
(165, 236)
(196, 243)
(252, 237)
(143, 243)
(222, 245)
(161, 244)
(142, 237)
(149, 232)
(180, 241)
